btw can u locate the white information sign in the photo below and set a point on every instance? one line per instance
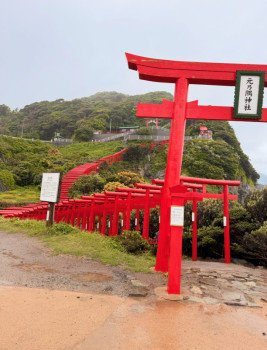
(50, 187)
(177, 215)
(248, 94)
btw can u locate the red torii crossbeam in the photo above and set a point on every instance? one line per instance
(182, 74)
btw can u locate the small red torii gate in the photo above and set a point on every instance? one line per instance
(182, 74)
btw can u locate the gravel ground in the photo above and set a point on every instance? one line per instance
(63, 302)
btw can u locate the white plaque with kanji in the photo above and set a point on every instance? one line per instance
(248, 94)
(177, 215)
(50, 187)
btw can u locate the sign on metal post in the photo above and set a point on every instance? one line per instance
(50, 190)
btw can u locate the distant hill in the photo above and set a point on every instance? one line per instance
(40, 120)
(220, 158)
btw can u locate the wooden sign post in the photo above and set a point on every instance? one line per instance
(50, 191)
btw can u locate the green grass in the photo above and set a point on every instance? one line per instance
(64, 239)
(20, 196)
(90, 149)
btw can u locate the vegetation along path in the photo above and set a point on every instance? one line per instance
(50, 301)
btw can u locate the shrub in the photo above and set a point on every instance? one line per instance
(7, 179)
(60, 229)
(136, 153)
(144, 131)
(129, 178)
(256, 204)
(54, 152)
(132, 242)
(83, 134)
(87, 185)
(111, 186)
(254, 245)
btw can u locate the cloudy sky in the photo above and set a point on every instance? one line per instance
(68, 49)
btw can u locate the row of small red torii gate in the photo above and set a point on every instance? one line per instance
(104, 212)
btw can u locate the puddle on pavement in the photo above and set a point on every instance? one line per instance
(33, 268)
(91, 277)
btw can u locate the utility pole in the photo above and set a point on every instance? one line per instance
(22, 127)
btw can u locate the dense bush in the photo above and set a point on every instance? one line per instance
(83, 134)
(144, 131)
(136, 153)
(253, 246)
(132, 242)
(256, 204)
(7, 179)
(87, 185)
(129, 178)
(111, 186)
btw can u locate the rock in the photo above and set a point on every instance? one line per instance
(240, 275)
(209, 300)
(253, 305)
(138, 293)
(264, 299)
(239, 285)
(108, 289)
(208, 281)
(236, 303)
(162, 293)
(195, 269)
(208, 275)
(227, 276)
(262, 289)
(231, 296)
(239, 261)
(137, 283)
(250, 284)
(196, 290)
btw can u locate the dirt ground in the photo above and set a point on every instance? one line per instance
(63, 302)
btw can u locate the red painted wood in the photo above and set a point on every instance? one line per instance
(173, 171)
(194, 77)
(227, 256)
(194, 230)
(194, 111)
(137, 62)
(175, 261)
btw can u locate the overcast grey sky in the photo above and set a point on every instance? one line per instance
(68, 49)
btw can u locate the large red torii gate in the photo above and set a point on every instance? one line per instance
(182, 74)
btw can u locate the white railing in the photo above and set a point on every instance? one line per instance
(146, 137)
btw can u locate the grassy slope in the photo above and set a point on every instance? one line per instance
(64, 239)
(94, 150)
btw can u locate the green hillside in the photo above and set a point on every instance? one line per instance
(22, 162)
(42, 119)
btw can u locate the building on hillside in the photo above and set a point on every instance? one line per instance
(205, 133)
(128, 128)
